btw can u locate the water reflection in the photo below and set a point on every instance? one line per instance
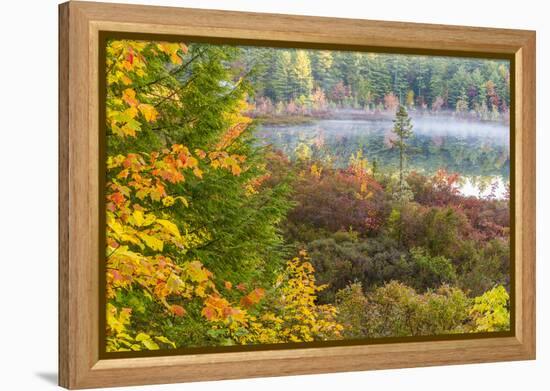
(478, 151)
(484, 187)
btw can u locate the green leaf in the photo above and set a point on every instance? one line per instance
(142, 337)
(165, 340)
(150, 344)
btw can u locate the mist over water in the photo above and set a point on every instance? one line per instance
(496, 133)
(478, 150)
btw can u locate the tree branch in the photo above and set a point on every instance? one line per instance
(173, 72)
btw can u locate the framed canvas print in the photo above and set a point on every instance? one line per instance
(248, 195)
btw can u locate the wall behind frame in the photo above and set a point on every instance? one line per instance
(28, 71)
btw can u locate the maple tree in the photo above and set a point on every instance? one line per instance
(155, 229)
(490, 311)
(289, 311)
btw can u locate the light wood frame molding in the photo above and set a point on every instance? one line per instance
(79, 250)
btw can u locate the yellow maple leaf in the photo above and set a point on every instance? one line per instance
(200, 291)
(198, 172)
(171, 49)
(148, 111)
(141, 220)
(115, 226)
(196, 272)
(129, 96)
(137, 218)
(170, 227)
(151, 242)
(168, 201)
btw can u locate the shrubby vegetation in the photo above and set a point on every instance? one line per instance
(213, 239)
(396, 310)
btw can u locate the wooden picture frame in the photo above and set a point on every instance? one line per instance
(80, 24)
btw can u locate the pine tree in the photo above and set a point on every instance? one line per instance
(458, 86)
(321, 64)
(280, 78)
(379, 76)
(476, 89)
(399, 70)
(422, 75)
(402, 128)
(301, 80)
(437, 86)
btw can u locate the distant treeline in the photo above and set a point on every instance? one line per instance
(294, 81)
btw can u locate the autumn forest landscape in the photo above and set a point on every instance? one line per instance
(258, 195)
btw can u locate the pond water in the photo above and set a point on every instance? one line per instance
(478, 151)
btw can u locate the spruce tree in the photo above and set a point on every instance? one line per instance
(379, 77)
(321, 64)
(280, 83)
(402, 128)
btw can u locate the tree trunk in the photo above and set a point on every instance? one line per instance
(401, 169)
